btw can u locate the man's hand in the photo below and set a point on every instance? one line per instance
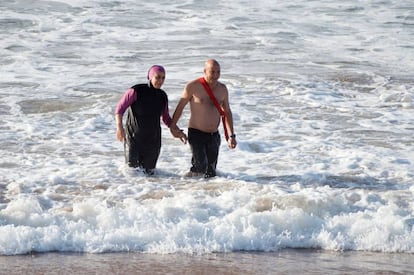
(178, 133)
(232, 142)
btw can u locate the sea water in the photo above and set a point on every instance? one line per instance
(322, 94)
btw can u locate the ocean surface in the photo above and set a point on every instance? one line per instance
(322, 94)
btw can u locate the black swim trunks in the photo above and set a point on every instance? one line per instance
(205, 149)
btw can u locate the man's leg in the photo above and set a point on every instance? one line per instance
(213, 147)
(198, 149)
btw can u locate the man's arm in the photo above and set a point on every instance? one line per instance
(185, 98)
(178, 110)
(229, 119)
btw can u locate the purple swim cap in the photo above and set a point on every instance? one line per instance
(154, 70)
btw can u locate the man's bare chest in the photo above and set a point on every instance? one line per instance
(201, 96)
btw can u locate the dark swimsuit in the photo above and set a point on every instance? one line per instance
(205, 149)
(143, 129)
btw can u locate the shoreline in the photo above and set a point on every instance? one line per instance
(287, 261)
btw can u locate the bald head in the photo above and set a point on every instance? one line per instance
(211, 63)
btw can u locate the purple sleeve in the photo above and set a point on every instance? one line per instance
(126, 101)
(166, 116)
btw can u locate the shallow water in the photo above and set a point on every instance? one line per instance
(282, 262)
(322, 97)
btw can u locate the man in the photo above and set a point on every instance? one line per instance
(203, 135)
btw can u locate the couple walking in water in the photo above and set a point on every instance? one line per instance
(146, 104)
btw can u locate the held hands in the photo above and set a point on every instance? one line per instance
(175, 131)
(178, 133)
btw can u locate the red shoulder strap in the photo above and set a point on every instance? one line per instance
(215, 102)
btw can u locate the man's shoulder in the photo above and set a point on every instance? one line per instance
(193, 85)
(221, 85)
(194, 82)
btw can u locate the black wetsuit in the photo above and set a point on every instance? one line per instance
(143, 129)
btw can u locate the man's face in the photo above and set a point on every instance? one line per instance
(212, 73)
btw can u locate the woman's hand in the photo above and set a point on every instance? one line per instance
(120, 134)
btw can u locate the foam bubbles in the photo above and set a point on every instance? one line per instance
(322, 114)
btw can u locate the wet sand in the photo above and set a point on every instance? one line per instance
(290, 261)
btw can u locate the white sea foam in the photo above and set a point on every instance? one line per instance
(322, 96)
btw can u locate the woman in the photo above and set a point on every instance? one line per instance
(145, 103)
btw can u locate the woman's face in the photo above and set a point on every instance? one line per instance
(157, 80)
